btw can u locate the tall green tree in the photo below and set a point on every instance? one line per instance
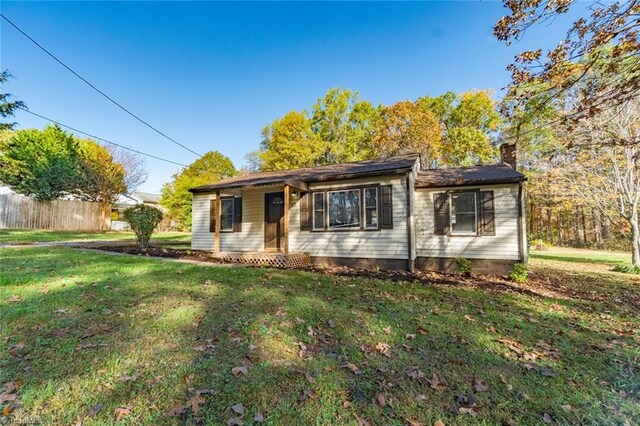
(41, 163)
(406, 127)
(209, 168)
(468, 122)
(289, 143)
(345, 124)
(7, 107)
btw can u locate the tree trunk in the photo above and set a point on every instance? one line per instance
(594, 220)
(576, 225)
(584, 227)
(604, 226)
(560, 230)
(635, 239)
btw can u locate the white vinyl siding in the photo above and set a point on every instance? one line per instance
(251, 238)
(383, 244)
(503, 245)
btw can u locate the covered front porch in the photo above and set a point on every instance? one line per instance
(259, 234)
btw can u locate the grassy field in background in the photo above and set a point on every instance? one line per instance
(14, 236)
(107, 339)
(568, 254)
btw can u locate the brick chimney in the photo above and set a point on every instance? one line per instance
(508, 154)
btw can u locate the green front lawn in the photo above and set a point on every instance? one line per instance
(109, 339)
(17, 236)
(566, 254)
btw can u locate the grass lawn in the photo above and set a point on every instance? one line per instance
(109, 339)
(17, 236)
(566, 254)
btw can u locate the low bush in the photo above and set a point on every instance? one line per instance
(520, 273)
(464, 265)
(627, 268)
(143, 221)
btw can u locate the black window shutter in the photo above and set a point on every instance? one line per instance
(441, 212)
(386, 207)
(487, 213)
(305, 211)
(237, 214)
(212, 216)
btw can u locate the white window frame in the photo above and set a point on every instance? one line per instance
(233, 205)
(475, 214)
(359, 215)
(376, 207)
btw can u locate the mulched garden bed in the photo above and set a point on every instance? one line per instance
(537, 286)
(159, 251)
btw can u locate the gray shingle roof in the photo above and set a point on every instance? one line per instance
(474, 175)
(391, 165)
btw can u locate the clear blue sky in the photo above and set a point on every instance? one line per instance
(212, 75)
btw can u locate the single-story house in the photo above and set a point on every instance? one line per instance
(385, 213)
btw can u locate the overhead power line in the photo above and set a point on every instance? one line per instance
(102, 139)
(95, 88)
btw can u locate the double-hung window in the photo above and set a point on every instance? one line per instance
(463, 213)
(226, 214)
(318, 210)
(344, 209)
(371, 208)
(348, 209)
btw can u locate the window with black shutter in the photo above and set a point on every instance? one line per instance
(487, 213)
(386, 207)
(441, 212)
(237, 214)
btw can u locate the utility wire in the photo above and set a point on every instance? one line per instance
(101, 139)
(95, 88)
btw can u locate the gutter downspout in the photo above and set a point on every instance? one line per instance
(411, 261)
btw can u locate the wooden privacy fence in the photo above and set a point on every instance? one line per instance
(20, 212)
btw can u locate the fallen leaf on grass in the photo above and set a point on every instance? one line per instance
(380, 399)
(174, 411)
(436, 382)
(410, 336)
(126, 378)
(387, 330)
(4, 397)
(567, 407)
(438, 423)
(121, 412)
(384, 349)
(354, 369)
(94, 409)
(414, 422)
(86, 345)
(479, 386)
(239, 370)
(16, 350)
(331, 324)
(238, 409)
(259, 418)
(195, 402)
(546, 418)
(61, 311)
(15, 298)
(234, 421)
(469, 318)
(467, 410)
(415, 373)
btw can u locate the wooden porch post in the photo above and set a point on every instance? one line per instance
(286, 219)
(217, 239)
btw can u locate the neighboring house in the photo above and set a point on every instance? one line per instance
(124, 201)
(383, 213)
